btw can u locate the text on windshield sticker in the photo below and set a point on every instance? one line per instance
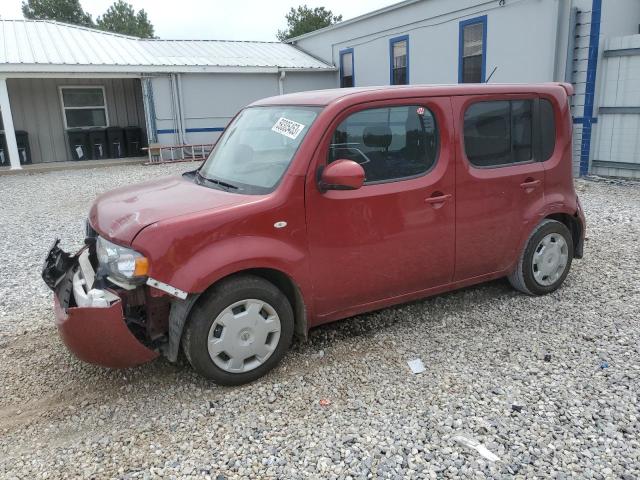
(288, 128)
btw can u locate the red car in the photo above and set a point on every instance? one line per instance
(317, 206)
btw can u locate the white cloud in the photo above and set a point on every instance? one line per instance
(218, 19)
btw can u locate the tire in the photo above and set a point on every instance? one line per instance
(238, 315)
(528, 277)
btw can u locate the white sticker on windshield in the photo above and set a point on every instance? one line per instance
(288, 128)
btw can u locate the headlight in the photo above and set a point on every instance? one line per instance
(122, 263)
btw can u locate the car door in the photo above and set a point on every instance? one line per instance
(499, 182)
(395, 234)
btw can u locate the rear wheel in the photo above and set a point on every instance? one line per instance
(239, 331)
(545, 261)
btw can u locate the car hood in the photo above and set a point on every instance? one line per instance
(121, 213)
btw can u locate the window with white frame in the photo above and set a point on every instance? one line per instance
(84, 107)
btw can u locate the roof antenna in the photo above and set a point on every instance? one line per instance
(491, 74)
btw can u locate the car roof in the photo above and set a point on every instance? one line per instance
(362, 94)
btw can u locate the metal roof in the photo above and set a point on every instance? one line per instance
(48, 46)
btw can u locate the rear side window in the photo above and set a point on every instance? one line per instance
(547, 129)
(390, 143)
(499, 132)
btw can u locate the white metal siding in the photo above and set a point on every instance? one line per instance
(618, 136)
(36, 108)
(521, 41)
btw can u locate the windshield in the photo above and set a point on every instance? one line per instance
(257, 147)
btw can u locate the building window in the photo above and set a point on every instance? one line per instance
(399, 57)
(498, 133)
(390, 143)
(347, 78)
(84, 107)
(473, 50)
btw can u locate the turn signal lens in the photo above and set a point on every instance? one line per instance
(142, 267)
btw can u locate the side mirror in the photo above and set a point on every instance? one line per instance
(342, 175)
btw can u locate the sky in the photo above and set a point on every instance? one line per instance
(217, 19)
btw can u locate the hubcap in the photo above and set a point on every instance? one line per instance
(244, 336)
(550, 259)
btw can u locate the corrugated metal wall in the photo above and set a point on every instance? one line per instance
(617, 143)
(36, 108)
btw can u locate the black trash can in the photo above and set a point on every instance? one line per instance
(133, 139)
(4, 155)
(24, 150)
(115, 142)
(98, 142)
(79, 144)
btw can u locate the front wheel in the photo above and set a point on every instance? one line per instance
(239, 331)
(545, 261)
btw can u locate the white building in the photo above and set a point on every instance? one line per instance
(593, 44)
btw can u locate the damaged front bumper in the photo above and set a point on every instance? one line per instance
(91, 321)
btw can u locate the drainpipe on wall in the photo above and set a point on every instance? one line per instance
(9, 130)
(175, 110)
(571, 43)
(183, 123)
(149, 109)
(283, 74)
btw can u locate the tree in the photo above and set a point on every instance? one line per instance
(67, 11)
(305, 20)
(122, 18)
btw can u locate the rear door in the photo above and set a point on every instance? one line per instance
(394, 235)
(499, 181)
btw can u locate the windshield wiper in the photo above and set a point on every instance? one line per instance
(216, 181)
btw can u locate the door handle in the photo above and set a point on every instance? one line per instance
(437, 199)
(530, 183)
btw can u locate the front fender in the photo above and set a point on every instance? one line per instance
(202, 268)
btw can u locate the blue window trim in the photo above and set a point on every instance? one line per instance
(353, 70)
(392, 42)
(465, 23)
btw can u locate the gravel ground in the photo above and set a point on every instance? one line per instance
(549, 385)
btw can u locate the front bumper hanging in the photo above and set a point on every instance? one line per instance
(90, 320)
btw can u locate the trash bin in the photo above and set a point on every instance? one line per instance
(24, 151)
(4, 156)
(115, 142)
(133, 139)
(79, 144)
(98, 143)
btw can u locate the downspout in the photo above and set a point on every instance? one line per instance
(281, 78)
(177, 110)
(571, 43)
(174, 110)
(559, 16)
(149, 109)
(590, 88)
(183, 124)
